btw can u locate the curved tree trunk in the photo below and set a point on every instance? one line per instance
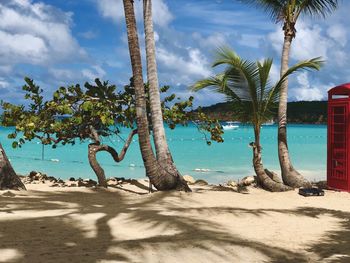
(8, 177)
(265, 178)
(159, 177)
(162, 150)
(290, 176)
(94, 148)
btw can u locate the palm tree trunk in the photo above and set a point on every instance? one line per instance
(162, 150)
(264, 179)
(290, 176)
(8, 177)
(159, 177)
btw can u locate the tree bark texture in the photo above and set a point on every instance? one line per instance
(265, 181)
(8, 177)
(94, 148)
(159, 177)
(162, 149)
(290, 176)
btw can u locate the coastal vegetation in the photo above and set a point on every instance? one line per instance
(299, 112)
(248, 85)
(88, 114)
(93, 113)
(287, 13)
(207, 204)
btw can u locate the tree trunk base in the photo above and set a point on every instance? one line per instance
(270, 185)
(9, 180)
(273, 176)
(168, 165)
(294, 179)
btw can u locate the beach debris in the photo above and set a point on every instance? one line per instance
(90, 183)
(322, 185)
(112, 181)
(72, 179)
(71, 184)
(9, 194)
(232, 183)
(313, 191)
(54, 160)
(189, 179)
(201, 182)
(201, 170)
(248, 180)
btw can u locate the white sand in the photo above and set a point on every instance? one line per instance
(46, 224)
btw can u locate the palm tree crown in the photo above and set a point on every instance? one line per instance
(248, 84)
(288, 11)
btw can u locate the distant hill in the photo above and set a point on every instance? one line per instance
(297, 112)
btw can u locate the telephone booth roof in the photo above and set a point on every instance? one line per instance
(343, 89)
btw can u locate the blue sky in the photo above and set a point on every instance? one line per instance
(59, 43)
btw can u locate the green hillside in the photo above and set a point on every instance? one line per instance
(298, 112)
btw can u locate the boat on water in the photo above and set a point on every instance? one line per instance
(230, 125)
(268, 123)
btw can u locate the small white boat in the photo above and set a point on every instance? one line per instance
(271, 122)
(230, 125)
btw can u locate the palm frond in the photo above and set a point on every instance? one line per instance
(311, 64)
(219, 84)
(273, 94)
(241, 74)
(247, 84)
(264, 72)
(274, 8)
(320, 8)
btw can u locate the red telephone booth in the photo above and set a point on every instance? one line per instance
(338, 150)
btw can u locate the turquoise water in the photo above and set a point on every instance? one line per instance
(228, 160)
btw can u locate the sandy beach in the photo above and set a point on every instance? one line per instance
(78, 224)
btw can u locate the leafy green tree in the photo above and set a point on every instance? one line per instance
(287, 12)
(76, 114)
(247, 84)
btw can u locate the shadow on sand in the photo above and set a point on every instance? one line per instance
(58, 238)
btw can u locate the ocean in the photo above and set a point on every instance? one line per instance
(217, 163)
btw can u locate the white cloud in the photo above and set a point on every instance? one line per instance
(274, 74)
(251, 40)
(338, 33)
(113, 9)
(22, 47)
(212, 41)
(308, 92)
(88, 34)
(95, 72)
(186, 69)
(36, 33)
(308, 43)
(3, 83)
(62, 76)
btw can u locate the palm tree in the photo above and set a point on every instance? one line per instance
(247, 84)
(159, 177)
(8, 177)
(162, 150)
(287, 13)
